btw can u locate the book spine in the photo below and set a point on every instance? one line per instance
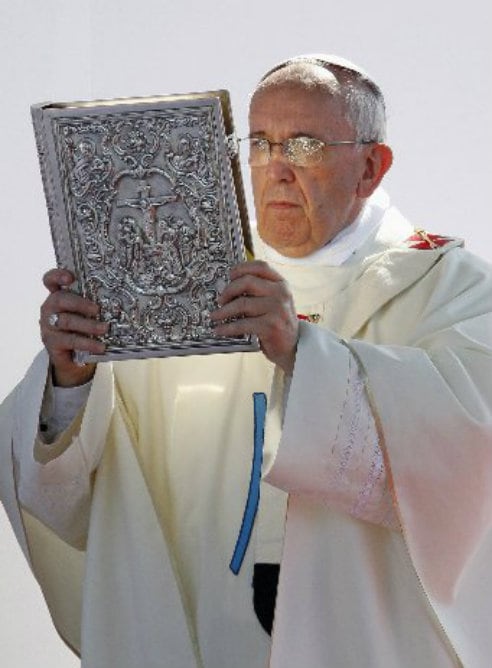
(235, 166)
(46, 174)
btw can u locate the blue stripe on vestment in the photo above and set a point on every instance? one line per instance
(251, 508)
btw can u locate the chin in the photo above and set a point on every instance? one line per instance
(287, 249)
(294, 252)
(283, 242)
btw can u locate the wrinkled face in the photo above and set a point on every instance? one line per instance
(300, 209)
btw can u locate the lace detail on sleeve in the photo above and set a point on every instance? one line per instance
(358, 482)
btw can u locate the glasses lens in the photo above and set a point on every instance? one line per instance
(259, 151)
(299, 151)
(304, 151)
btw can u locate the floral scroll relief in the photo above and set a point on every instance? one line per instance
(150, 225)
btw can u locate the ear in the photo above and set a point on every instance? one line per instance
(379, 158)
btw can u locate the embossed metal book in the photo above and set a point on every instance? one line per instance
(146, 208)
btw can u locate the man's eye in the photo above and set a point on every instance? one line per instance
(259, 144)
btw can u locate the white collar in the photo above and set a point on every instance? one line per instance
(346, 243)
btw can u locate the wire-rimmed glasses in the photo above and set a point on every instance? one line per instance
(299, 151)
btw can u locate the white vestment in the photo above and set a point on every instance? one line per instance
(153, 586)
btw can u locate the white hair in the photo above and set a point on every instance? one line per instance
(362, 99)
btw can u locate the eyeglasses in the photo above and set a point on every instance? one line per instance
(299, 151)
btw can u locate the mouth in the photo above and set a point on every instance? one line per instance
(281, 204)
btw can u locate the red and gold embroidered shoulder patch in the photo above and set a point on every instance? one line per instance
(423, 240)
(309, 317)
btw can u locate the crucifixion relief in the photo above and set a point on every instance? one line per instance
(148, 205)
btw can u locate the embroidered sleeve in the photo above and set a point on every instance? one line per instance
(321, 439)
(358, 482)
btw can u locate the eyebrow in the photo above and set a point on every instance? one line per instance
(260, 134)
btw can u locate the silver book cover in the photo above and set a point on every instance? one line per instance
(147, 209)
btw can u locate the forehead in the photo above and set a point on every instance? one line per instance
(288, 110)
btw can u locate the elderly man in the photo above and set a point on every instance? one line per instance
(376, 379)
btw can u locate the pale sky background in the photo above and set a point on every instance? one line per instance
(432, 60)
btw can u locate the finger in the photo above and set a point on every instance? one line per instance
(242, 327)
(255, 268)
(61, 345)
(267, 328)
(64, 301)
(244, 306)
(248, 284)
(71, 322)
(55, 279)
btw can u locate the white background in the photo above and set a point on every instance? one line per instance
(432, 60)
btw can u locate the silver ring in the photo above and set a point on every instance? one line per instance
(53, 319)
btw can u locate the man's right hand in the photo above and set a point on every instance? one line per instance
(75, 325)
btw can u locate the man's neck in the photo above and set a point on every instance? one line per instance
(346, 243)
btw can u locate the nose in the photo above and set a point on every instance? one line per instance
(279, 168)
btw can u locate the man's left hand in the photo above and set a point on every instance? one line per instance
(259, 302)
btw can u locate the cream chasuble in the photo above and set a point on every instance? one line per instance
(427, 357)
(170, 490)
